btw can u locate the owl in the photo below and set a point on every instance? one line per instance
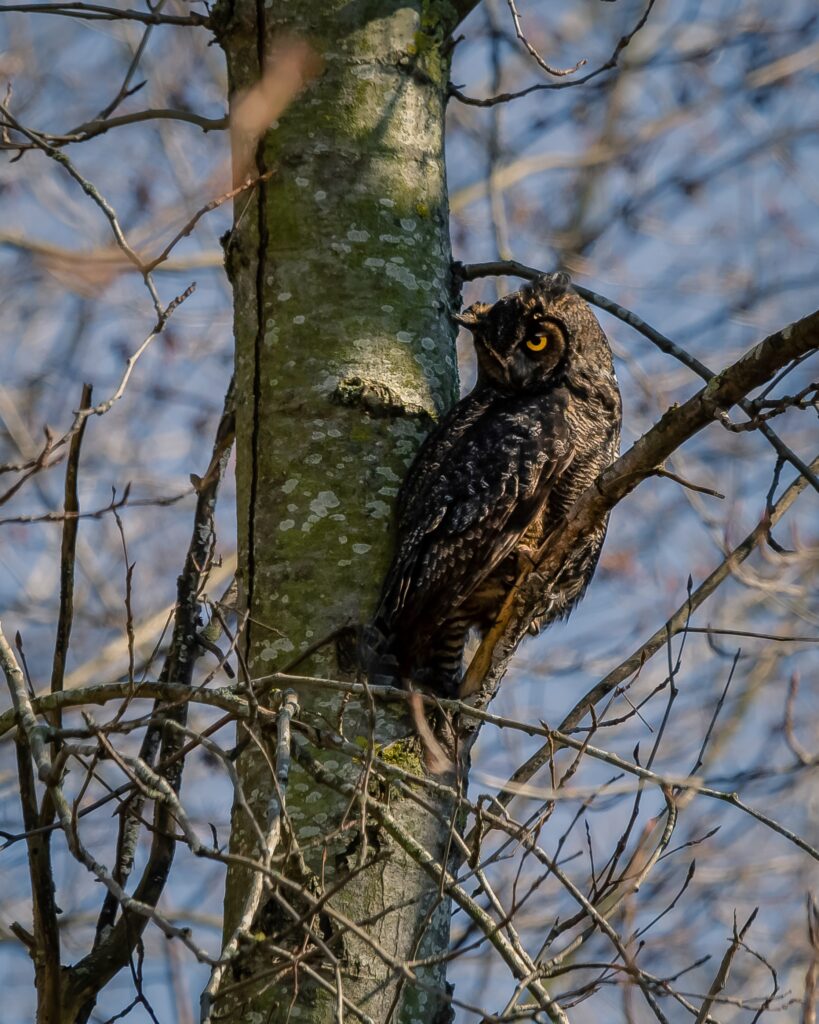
(498, 472)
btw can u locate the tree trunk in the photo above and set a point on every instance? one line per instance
(340, 265)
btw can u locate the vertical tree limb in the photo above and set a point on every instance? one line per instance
(116, 941)
(71, 507)
(46, 949)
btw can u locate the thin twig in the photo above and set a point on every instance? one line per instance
(557, 72)
(96, 127)
(661, 471)
(32, 467)
(95, 195)
(97, 12)
(67, 554)
(721, 978)
(752, 633)
(125, 89)
(212, 205)
(164, 315)
(622, 43)
(112, 507)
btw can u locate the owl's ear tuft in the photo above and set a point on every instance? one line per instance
(546, 289)
(472, 315)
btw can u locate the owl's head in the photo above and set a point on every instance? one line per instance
(528, 340)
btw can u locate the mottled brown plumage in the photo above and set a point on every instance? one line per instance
(500, 469)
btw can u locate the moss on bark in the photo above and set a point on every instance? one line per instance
(340, 264)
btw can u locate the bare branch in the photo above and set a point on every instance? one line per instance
(506, 97)
(662, 471)
(678, 622)
(721, 978)
(98, 12)
(164, 315)
(45, 945)
(113, 949)
(68, 554)
(212, 205)
(90, 190)
(470, 271)
(92, 129)
(557, 72)
(676, 426)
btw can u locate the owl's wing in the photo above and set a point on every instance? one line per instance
(488, 483)
(430, 457)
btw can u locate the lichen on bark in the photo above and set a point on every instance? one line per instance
(340, 264)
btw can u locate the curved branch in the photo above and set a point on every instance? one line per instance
(557, 72)
(675, 427)
(116, 942)
(468, 272)
(506, 97)
(656, 642)
(101, 125)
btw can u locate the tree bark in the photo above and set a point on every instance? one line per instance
(341, 268)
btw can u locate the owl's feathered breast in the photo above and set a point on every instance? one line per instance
(476, 484)
(497, 476)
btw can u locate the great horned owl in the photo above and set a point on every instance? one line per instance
(503, 466)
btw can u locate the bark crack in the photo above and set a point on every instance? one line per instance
(261, 256)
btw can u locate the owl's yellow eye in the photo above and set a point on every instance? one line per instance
(538, 344)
